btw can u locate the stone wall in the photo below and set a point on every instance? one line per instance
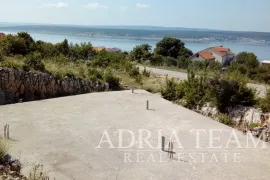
(16, 86)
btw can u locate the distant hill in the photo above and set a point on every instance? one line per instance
(6, 24)
(140, 32)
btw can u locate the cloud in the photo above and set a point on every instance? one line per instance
(95, 6)
(55, 5)
(123, 8)
(142, 6)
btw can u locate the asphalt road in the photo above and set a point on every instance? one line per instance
(261, 89)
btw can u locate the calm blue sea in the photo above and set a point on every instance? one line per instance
(262, 50)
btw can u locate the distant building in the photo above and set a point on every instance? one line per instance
(115, 50)
(265, 62)
(200, 56)
(218, 53)
(102, 48)
(2, 35)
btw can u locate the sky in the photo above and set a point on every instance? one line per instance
(238, 15)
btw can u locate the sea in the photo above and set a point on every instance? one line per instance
(127, 37)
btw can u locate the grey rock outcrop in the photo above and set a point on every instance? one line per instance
(16, 86)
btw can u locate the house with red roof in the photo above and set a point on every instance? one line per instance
(2, 35)
(217, 53)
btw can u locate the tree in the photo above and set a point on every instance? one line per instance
(172, 47)
(81, 51)
(141, 52)
(248, 59)
(28, 40)
(63, 47)
(13, 45)
(46, 49)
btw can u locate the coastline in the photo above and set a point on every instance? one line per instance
(127, 43)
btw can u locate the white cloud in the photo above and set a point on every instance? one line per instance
(55, 5)
(123, 8)
(95, 6)
(142, 6)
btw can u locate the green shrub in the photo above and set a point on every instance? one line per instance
(134, 72)
(26, 67)
(172, 91)
(242, 68)
(169, 61)
(156, 59)
(248, 59)
(225, 119)
(34, 61)
(264, 103)
(183, 62)
(94, 74)
(229, 93)
(195, 91)
(151, 88)
(114, 82)
(138, 79)
(1, 56)
(253, 125)
(146, 73)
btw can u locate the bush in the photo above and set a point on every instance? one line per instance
(229, 93)
(216, 66)
(195, 91)
(169, 61)
(248, 59)
(134, 72)
(138, 79)
(264, 103)
(146, 73)
(225, 119)
(242, 68)
(94, 74)
(114, 82)
(1, 56)
(172, 91)
(198, 65)
(183, 62)
(34, 62)
(156, 60)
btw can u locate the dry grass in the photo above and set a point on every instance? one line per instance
(12, 62)
(4, 147)
(38, 173)
(152, 84)
(59, 68)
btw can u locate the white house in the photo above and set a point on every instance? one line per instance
(265, 62)
(218, 53)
